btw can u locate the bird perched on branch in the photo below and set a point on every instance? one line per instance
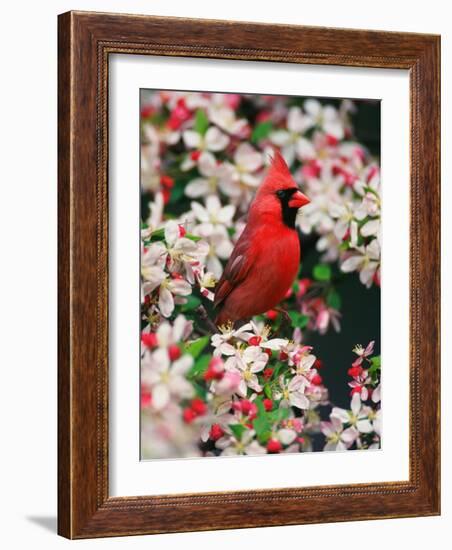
(266, 258)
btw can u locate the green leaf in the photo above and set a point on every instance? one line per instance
(201, 122)
(268, 391)
(374, 369)
(370, 190)
(237, 430)
(192, 237)
(200, 366)
(200, 389)
(177, 192)
(298, 319)
(322, 272)
(376, 363)
(192, 303)
(279, 414)
(261, 131)
(158, 235)
(261, 423)
(333, 299)
(276, 370)
(196, 347)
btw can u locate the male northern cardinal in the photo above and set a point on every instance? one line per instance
(266, 258)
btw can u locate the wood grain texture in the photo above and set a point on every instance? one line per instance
(85, 42)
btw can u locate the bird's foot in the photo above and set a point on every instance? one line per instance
(201, 311)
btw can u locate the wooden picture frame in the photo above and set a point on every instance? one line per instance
(85, 42)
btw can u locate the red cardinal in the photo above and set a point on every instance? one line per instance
(266, 258)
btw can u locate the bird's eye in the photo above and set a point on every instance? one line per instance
(285, 194)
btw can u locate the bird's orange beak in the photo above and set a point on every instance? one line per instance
(298, 200)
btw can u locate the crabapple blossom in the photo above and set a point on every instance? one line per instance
(291, 140)
(357, 416)
(169, 334)
(247, 445)
(212, 214)
(214, 177)
(325, 117)
(292, 392)
(164, 378)
(224, 117)
(214, 140)
(222, 340)
(363, 353)
(182, 252)
(247, 364)
(338, 439)
(366, 260)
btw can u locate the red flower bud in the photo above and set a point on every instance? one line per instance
(216, 432)
(194, 155)
(346, 235)
(174, 352)
(215, 369)
(331, 140)
(274, 446)
(337, 169)
(268, 352)
(372, 172)
(188, 415)
(262, 116)
(349, 178)
(198, 406)
(283, 356)
(166, 195)
(267, 373)
(268, 404)
(146, 398)
(357, 389)
(317, 380)
(376, 278)
(246, 406)
(303, 286)
(149, 339)
(272, 314)
(147, 111)
(182, 231)
(355, 372)
(167, 181)
(254, 340)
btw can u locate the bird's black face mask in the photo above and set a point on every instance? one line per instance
(289, 213)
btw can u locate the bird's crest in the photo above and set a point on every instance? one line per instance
(278, 176)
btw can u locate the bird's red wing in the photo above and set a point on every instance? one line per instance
(235, 271)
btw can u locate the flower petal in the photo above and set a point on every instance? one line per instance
(191, 139)
(160, 396)
(197, 188)
(166, 302)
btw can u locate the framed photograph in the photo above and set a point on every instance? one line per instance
(248, 275)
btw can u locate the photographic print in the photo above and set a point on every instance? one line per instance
(260, 274)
